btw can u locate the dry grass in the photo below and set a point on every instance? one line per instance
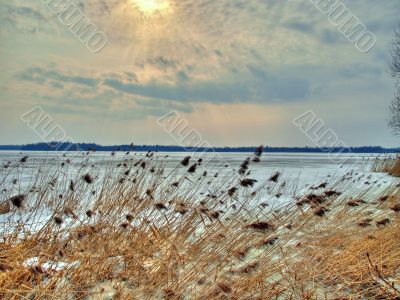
(137, 231)
(390, 165)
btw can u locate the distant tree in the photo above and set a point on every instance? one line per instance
(394, 121)
(395, 63)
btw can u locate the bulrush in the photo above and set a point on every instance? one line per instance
(249, 268)
(269, 242)
(275, 177)
(68, 211)
(24, 159)
(192, 168)
(71, 186)
(160, 206)
(149, 193)
(88, 178)
(203, 209)
(244, 166)
(53, 182)
(365, 223)
(89, 213)
(247, 182)
(354, 203)
(181, 208)
(395, 208)
(383, 222)
(168, 293)
(224, 287)
(185, 161)
(258, 153)
(320, 211)
(383, 198)
(58, 220)
(320, 186)
(330, 193)
(263, 226)
(215, 215)
(125, 225)
(242, 252)
(18, 201)
(129, 217)
(311, 199)
(232, 191)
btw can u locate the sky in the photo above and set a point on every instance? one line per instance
(238, 71)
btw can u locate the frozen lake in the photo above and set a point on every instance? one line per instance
(303, 168)
(51, 173)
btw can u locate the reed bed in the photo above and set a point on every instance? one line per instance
(390, 165)
(128, 228)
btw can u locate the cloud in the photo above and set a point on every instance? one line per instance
(226, 53)
(262, 88)
(40, 75)
(29, 12)
(301, 26)
(253, 85)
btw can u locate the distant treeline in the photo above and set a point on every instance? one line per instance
(54, 146)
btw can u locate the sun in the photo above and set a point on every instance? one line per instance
(151, 6)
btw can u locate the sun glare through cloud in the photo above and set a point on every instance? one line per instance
(151, 6)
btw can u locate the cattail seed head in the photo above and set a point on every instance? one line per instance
(395, 208)
(24, 159)
(365, 223)
(58, 220)
(248, 182)
(383, 222)
(263, 226)
(88, 178)
(275, 177)
(160, 206)
(71, 186)
(185, 161)
(18, 201)
(232, 191)
(129, 217)
(192, 168)
(320, 211)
